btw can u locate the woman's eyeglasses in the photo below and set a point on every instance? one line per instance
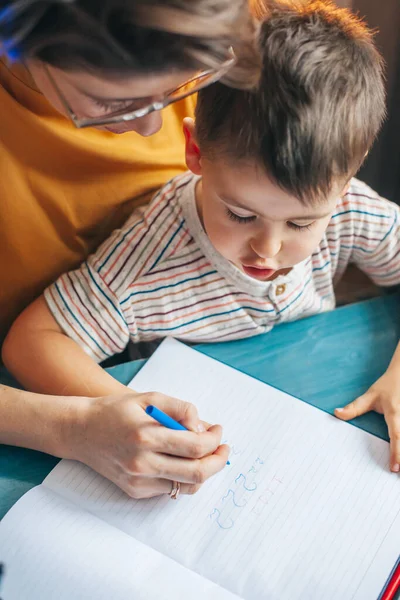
(130, 113)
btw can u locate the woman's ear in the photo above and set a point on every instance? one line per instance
(192, 150)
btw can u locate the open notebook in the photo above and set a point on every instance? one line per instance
(306, 510)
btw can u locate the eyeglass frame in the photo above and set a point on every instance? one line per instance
(83, 122)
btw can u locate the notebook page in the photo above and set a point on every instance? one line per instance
(53, 549)
(306, 510)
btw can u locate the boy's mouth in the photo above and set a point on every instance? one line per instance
(258, 273)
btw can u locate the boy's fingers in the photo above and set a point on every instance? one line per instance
(356, 408)
(394, 434)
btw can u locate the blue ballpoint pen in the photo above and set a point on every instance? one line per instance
(164, 419)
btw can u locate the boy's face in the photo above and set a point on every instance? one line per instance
(254, 224)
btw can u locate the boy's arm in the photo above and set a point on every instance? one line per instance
(384, 397)
(371, 229)
(375, 249)
(43, 359)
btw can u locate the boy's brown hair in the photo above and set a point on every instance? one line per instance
(319, 105)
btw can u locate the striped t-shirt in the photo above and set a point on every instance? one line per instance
(160, 275)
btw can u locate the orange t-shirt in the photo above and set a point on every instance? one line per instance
(63, 190)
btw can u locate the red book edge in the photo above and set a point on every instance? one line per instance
(393, 586)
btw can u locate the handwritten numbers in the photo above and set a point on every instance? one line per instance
(238, 495)
(222, 524)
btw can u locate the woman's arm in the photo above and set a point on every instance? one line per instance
(40, 422)
(43, 359)
(107, 429)
(114, 436)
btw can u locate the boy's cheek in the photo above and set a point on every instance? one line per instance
(223, 239)
(307, 247)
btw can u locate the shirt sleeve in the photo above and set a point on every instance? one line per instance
(93, 304)
(376, 235)
(89, 312)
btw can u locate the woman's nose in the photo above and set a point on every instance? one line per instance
(146, 126)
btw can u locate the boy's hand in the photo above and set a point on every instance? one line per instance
(383, 397)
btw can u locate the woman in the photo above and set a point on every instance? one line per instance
(74, 75)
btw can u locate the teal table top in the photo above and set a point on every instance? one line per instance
(326, 360)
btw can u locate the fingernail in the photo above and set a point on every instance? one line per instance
(200, 428)
(396, 468)
(339, 409)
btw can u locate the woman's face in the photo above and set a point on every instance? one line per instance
(90, 96)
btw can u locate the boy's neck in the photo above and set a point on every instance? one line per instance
(198, 194)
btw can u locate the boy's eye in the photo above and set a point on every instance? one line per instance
(300, 227)
(234, 217)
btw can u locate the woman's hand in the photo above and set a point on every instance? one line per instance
(121, 442)
(95, 419)
(383, 397)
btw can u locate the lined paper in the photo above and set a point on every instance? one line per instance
(53, 549)
(307, 509)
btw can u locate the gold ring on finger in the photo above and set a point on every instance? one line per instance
(175, 490)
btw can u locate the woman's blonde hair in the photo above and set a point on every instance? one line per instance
(129, 36)
(223, 23)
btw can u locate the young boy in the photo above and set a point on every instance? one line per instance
(257, 234)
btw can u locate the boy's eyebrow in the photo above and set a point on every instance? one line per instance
(302, 218)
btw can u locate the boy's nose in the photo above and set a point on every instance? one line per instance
(266, 246)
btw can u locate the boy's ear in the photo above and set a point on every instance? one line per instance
(192, 151)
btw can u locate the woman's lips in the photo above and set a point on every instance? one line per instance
(258, 273)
